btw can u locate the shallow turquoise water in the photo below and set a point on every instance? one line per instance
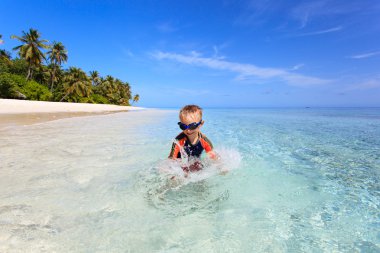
(300, 180)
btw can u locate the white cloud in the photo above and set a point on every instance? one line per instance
(330, 30)
(367, 55)
(373, 83)
(128, 53)
(243, 70)
(216, 53)
(255, 12)
(297, 67)
(195, 53)
(310, 11)
(306, 11)
(166, 27)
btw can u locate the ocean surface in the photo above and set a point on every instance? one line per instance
(298, 180)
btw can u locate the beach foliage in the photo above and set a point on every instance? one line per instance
(95, 78)
(30, 49)
(16, 86)
(35, 91)
(8, 85)
(5, 60)
(4, 67)
(99, 99)
(57, 55)
(76, 83)
(37, 74)
(114, 90)
(136, 98)
(5, 55)
(18, 67)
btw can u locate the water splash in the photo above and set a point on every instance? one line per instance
(177, 192)
(228, 159)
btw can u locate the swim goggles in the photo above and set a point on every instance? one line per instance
(191, 126)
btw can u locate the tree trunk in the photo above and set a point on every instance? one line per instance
(29, 73)
(52, 80)
(68, 93)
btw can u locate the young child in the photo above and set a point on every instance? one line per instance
(191, 140)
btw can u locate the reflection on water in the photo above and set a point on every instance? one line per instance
(298, 181)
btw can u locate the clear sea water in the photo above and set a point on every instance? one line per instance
(299, 180)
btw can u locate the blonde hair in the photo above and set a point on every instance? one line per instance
(190, 110)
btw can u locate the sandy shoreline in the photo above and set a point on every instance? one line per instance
(26, 112)
(14, 106)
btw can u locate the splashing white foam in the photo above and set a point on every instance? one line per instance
(173, 178)
(228, 159)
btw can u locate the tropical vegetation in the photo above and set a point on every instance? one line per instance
(136, 98)
(36, 73)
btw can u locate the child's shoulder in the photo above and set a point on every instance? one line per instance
(180, 136)
(204, 137)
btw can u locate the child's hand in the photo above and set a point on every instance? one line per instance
(213, 155)
(217, 161)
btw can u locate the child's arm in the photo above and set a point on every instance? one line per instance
(211, 153)
(207, 145)
(174, 151)
(176, 147)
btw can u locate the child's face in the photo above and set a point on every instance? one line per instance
(188, 119)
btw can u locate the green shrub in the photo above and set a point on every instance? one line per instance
(16, 86)
(35, 91)
(10, 85)
(80, 99)
(4, 66)
(98, 99)
(19, 67)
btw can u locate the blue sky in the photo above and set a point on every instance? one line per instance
(263, 53)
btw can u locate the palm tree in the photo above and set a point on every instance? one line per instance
(5, 55)
(136, 98)
(30, 49)
(57, 55)
(76, 82)
(45, 73)
(125, 93)
(108, 87)
(95, 78)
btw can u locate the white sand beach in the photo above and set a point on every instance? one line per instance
(14, 106)
(25, 112)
